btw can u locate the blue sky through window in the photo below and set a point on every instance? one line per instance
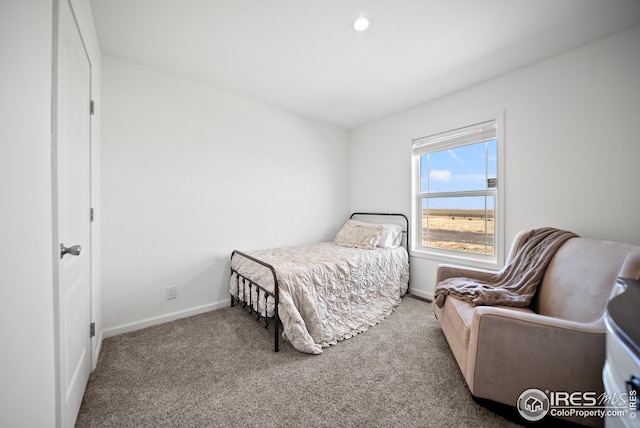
(464, 168)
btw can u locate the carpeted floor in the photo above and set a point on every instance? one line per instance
(219, 370)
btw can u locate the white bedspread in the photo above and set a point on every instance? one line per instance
(327, 292)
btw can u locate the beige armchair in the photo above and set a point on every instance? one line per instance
(555, 344)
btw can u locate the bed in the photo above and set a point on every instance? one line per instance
(319, 294)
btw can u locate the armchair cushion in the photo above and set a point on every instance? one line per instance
(580, 274)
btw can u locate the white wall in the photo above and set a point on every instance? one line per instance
(26, 309)
(190, 173)
(571, 140)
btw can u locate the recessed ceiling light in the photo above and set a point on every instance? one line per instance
(361, 24)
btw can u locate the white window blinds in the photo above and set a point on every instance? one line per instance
(477, 133)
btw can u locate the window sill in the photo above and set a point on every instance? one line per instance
(457, 258)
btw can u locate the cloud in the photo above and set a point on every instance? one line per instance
(440, 175)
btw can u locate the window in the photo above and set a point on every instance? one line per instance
(457, 193)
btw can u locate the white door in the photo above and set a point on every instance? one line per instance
(72, 202)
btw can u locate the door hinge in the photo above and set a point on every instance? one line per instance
(91, 215)
(92, 108)
(92, 329)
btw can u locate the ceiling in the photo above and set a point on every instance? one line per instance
(303, 55)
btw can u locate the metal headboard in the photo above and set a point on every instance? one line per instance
(406, 220)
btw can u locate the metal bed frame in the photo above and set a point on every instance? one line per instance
(273, 324)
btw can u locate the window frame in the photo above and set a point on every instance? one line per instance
(478, 260)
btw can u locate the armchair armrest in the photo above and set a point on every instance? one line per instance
(511, 351)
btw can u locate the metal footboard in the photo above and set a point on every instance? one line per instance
(272, 324)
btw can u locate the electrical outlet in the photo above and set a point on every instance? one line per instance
(171, 292)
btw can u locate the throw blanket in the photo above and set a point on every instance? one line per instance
(516, 284)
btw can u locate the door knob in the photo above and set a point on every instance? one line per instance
(74, 250)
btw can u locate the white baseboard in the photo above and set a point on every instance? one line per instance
(424, 295)
(126, 328)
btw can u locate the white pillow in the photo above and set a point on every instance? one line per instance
(359, 234)
(391, 237)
